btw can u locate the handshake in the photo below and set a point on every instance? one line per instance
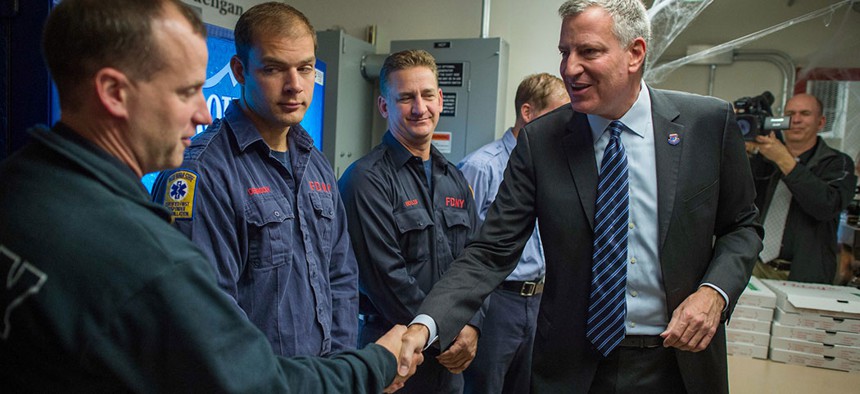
(407, 346)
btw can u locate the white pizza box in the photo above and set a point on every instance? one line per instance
(753, 312)
(817, 299)
(813, 360)
(821, 322)
(815, 335)
(757, 294)
(750, 337)
(737, 323)
(799, 345)
(746, 350)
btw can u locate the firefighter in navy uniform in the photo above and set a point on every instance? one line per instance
(102, 294)
(410, 213)
(261, 201)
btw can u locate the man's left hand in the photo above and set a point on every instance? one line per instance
(461, 353)
(695, 321)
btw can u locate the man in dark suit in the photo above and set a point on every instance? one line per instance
(683, 239)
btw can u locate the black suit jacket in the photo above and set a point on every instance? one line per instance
(707, 233)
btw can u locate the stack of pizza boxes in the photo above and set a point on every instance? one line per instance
(748, 330)
(816, 325)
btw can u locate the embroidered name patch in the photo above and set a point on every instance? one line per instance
(179, 194)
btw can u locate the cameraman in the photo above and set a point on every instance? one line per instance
(802, 185)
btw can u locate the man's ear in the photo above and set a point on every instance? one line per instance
(526, 112)
(112, 88)
(637, 55)
(383, 106)
(238, 69)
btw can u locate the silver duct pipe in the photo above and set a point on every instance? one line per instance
(485, 19)
(371, 65)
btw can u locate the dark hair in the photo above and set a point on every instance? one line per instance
(84, 36)
(269, 19)
(403, 60)
(537, 89)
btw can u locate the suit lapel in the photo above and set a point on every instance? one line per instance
(668, 157)
(579, 149)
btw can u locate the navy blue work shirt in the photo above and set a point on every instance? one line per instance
(404, 233)
(277, 238)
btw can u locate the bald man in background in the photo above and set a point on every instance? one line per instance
(819, 182)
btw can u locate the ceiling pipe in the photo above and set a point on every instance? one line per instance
(778, 58)
(485, 19)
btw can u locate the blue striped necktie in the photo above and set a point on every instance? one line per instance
(607, 307)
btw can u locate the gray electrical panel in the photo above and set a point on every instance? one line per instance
(473, 75)
(349, 101)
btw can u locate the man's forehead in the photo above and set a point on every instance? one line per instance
(799, 103)
(283, 42)
(412, 76)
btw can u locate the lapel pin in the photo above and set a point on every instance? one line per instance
(674, 139)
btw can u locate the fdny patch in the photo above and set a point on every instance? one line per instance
(179, 194)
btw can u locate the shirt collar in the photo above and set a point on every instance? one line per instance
(806, 156)
(68, 133)
(636, 119)
(247, 134)
(401, 155)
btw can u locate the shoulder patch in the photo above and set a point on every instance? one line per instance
(179, 194)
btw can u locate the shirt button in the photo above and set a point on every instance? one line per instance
(632, 260)
(631, 226)
(634, 293)
(277, 213)
(632, 324)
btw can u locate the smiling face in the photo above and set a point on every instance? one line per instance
(601, 75)
(277, 81)
(412, 105)
(165, 110)
(806, 120)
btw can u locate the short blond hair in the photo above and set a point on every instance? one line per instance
(403, 60)
(537, 90)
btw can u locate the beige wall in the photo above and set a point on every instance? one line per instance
(531, 28)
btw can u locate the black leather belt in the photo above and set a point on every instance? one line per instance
(524, 288)
(642, 341)
(780, 264)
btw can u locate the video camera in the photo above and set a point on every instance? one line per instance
(755, 116)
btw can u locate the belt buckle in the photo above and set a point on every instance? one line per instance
(528, 289)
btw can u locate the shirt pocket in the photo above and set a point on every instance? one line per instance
(457, 229)
(415, 228)
(323, 207)
(270, 227)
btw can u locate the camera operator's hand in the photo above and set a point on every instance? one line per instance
(774, 150)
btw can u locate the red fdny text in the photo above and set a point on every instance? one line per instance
(454, 202)
(258, 190)
(410, 203)
(319, 186)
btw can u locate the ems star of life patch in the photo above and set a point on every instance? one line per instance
(179, 194)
